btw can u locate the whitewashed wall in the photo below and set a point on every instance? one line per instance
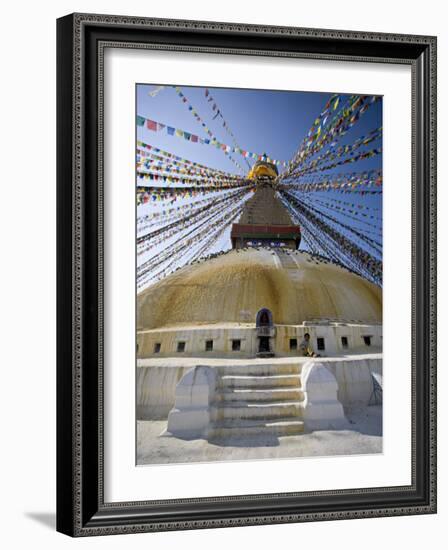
(156, 385)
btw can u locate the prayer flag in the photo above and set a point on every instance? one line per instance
(151, 125)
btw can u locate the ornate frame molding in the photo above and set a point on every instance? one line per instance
(82, 39)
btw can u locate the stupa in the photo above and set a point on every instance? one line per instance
(242, 315)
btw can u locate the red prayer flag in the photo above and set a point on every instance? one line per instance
(151, 125)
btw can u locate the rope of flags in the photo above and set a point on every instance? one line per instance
(210, 200)
(159, 164)
(356, 214)
(218, 114)
(213, 182)
(314, 132)
(323, 227)
(155, 218)
(347, 182)
(156, 126)
(149, 194)
(176, 159)
(339, 125)
(187, 220)
(350, 160)
(191, 238)
(174, 229)
(361, 261)
(366, 227)
(170, 168)
(342, 151)
(356, 205)
(208, 240)
(314, 238)
(343, 121)
(177, 246)
(334, 221)
(196, 115)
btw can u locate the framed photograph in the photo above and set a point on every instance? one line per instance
(246, 274)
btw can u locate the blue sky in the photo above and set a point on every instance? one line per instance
(262, 121)
(274, 122)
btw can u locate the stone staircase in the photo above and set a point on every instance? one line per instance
(289, 262)
(260, 399)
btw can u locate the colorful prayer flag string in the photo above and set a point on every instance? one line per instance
(156, 126)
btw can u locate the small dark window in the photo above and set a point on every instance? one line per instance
(321, 343)
(367, 340)
(209, 345)
(293, 344)
(180, 347)
(236, 345)
(344, 342)
(157, 347)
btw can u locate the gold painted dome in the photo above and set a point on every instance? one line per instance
(233, 287)
(263, 168)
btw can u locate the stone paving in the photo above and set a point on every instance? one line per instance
(365, 438)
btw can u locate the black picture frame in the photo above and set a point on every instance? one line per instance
(81, 510)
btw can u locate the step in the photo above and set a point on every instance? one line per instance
(256, 410)
(258, 382)
(260, 370)
(269, 394)
(247, 428)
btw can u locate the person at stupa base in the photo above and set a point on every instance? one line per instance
(306, 347)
